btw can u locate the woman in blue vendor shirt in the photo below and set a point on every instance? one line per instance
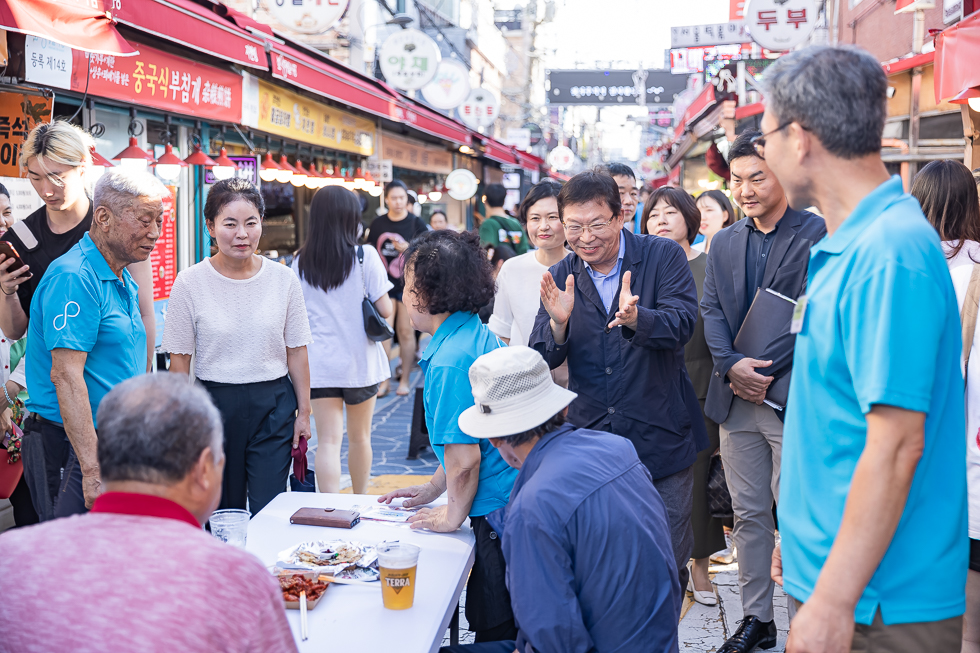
(447, 280)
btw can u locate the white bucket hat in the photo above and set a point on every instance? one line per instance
(513, 391)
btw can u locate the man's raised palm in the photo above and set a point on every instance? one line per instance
(558, 303)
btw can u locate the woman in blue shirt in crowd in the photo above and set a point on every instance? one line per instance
(476, 478)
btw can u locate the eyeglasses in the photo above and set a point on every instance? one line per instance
(596, 229)
(759, 141)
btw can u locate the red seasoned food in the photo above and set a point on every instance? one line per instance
(292, 586)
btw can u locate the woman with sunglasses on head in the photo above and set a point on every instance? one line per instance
(346, 367)
(672, 213)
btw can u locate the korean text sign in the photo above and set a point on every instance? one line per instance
(163, 81)
(19, 113)
(284, 113)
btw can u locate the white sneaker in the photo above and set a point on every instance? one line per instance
(727, 555)
(704, 598)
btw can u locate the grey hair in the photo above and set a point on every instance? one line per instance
(118, 188)
(839, 94)
(153, 428)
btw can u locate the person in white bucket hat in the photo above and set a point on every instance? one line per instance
(590, 565)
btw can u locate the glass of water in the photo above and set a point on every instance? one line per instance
(230, 526)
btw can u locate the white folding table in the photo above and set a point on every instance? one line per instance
(352, 618)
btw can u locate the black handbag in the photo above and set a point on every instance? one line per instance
(719, 498)
(376, 327)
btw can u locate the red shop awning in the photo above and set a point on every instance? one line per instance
(196, 27)
(420, 117)
(529, 161)
(292, 65)
(499, 152)
(67, 22)
(957, 54)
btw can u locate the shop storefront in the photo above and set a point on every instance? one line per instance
(423, 168)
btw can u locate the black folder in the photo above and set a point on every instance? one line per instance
(768, 318)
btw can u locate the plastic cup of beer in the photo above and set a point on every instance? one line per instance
(397, 562)
(230, 526)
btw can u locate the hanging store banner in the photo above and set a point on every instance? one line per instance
(696, 36)
(19, 114)
(480, 109)
(450, 87)
(780, 25)
(284, 113)
(409, 59)
(162, 81)
(163, 258)
(613, 87)
(307, 16)
(415, 156)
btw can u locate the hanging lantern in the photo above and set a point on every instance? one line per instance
(99, 163)
(224, 167)
(169, 164)
(134, 157)
(269, 168)
(285, 170)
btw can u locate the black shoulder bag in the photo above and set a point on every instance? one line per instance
(376, 327)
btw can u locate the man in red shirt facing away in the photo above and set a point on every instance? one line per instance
(138, 573)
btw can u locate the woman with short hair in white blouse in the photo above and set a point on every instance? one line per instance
(243, 319)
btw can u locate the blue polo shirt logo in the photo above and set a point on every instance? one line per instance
(70, 306)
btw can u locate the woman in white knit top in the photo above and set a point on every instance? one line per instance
(243, 319)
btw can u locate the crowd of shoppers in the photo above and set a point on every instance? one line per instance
(589, 505)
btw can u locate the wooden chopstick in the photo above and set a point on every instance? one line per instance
(304, 630)
(346, 581)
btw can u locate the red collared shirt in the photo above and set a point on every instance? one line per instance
(138, 580)
(148, 505)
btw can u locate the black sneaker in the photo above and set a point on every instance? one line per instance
(753, 632)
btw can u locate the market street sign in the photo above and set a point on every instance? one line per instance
(613, 87)
(695, 36)
(409, 59)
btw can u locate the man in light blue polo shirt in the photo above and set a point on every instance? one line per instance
(447, 280)
(873, 500)
(86, 334)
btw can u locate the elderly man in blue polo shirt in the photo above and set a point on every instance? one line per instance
(86, 334)
(873, 510)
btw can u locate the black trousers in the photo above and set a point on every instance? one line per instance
(258, 421)
(51, 470)
(488, 608)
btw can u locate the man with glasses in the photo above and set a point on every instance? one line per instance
(874, 516)
(768, 250)
(620, 310)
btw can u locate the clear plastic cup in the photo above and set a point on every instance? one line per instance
(397, 563)
(230, 526)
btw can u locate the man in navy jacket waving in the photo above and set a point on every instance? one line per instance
(620, 311)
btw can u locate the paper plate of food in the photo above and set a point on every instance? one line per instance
(338, 558)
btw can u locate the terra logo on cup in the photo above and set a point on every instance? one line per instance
(398, 563)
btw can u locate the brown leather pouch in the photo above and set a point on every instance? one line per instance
(326, 517)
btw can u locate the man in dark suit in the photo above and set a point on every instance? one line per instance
(769, 249)
(620, 310)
